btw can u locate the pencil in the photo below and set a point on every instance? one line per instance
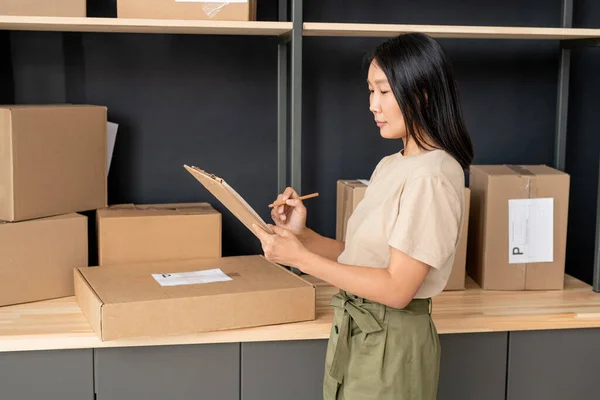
(281, 203)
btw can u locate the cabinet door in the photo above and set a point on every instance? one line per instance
(283, 370)
(48, 375)
(169, 372)
(554, 365)
(473, 366)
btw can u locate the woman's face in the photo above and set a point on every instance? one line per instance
(384, 106)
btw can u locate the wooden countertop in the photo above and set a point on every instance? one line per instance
(59, 324)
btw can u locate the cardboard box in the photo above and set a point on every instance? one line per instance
(52, 160)
(44, 8)
(130, 302)
(37, 257)
(129, 233)
(518, 228)
(237, 10)
(351, 192)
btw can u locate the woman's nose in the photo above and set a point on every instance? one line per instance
(374, 105)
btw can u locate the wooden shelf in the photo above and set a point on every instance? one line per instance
(447, 31)
(60, 324)
(66, 24)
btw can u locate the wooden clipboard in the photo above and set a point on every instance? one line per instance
(229, 198)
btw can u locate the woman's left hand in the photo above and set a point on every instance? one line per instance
(283, 247)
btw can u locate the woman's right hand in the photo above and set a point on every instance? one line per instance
(291, 216)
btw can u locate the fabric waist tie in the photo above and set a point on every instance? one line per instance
(366, 322)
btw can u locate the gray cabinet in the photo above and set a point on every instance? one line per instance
(473, 366)
(196, 372)
(283, 370)
(48, 375)
(554, 365)
(549, 365)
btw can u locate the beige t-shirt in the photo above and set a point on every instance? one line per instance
(415, 204)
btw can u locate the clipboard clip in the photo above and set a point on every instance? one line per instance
(208, 174)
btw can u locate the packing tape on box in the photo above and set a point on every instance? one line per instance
(530, 187)
(520, 170)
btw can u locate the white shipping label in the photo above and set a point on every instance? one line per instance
(530, 230)
(191, 278)
(364, 182)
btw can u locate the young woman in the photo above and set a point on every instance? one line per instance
(401, 239)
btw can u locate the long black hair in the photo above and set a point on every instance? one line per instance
(421, 78)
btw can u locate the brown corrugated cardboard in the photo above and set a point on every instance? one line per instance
(129, 302)
(52, 160)
(44, 8)
(351, 192)
(37, 257)
(157, 232)
(238, 10)
(494, 188)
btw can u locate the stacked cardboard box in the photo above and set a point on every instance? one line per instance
(162, 273)
(37, 257)
(44, 8)
(351, 192)
(239, 10)
(129, 233)
(52, 165)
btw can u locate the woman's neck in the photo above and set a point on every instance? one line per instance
(411, 148)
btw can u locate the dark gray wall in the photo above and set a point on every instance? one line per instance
(212, 101)
(6, 78)
(508, 90)
(583, 145)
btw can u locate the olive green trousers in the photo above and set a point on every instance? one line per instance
(380, 352)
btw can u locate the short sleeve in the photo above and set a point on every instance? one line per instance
(428, 222)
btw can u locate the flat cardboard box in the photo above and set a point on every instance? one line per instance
(238, 10)
(44, 8)
(129, 302)
(37, 257)
(129, 234)
(351, 192)
(52, 160)
(518, 227)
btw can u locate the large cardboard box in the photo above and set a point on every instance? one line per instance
(132, 302)
(44, 8)
(129, 233)
(351, 192)
(52, 160)
(518, 229)
(236, 10)
(37, 257)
